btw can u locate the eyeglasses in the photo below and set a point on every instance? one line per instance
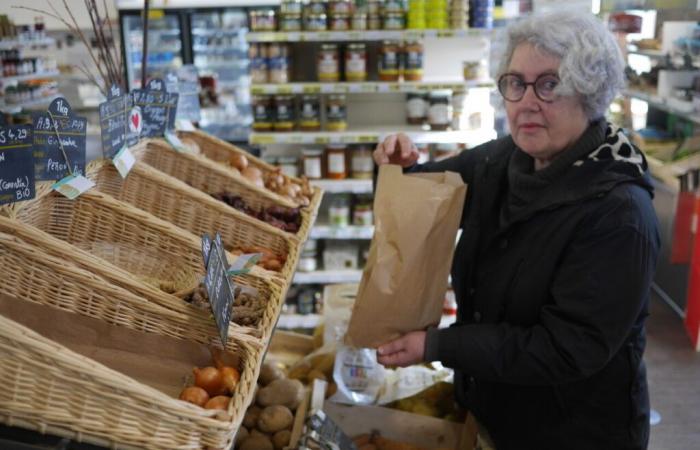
(512, 87)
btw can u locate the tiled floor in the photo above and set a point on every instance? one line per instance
(674, 381)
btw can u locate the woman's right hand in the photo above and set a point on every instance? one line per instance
(396, 149)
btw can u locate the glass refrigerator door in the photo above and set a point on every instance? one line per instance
(220, 53)
(164, 46)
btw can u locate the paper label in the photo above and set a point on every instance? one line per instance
(244, 263)
(124, 160)
(73, 185)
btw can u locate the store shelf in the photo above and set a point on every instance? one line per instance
(349, 232)
(662, 103)
(371, 135)
(344, 186)
(17, 108)
(328, 277)
(292, 321)
(10, 45)
(371, 87)
(33, 76)
(369, 35)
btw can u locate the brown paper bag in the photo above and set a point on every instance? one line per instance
(404, 282)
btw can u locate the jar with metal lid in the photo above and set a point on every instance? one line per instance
(389, 61)
(417, 108)
(394, 21)
(339, 211)
(392, 7)
(362, 212)
(290, 8)
(335, 161)
(412, 66)
(339, 7)
(310, 113)
(440, 110)
(359, 21)
(276, 51)
(374, 7)
(278, 70)
(313, 164)
(361, 162)
(336, 113)
(258, 70)
(263, 113)
(263, 20)
(315, 22)
(289, 165)
(315, 7)
(290, 22)
(285, 116)
(356, 62)
(339, 23)
(328, 64)
(374, 22)
(256, 51)
(475, 70)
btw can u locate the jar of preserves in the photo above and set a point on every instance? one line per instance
(335, 162)
(339, 211)
(440, 110)
(285, 116)
(374, 7)
(356, 62)
(475, 70)
(258, 70)
(339, 7)
(278, 70)
(315, 7)
(374, 22)
(359, 21)
(361, 162)
(392, 7)
(336, 113)
(289, 165)
(412, 66)
(362, 214)
(276, 51)
(328, 64)
(290, 22)
(394, 21)
(263, 113)
(417, 108)
(312, 163)
(339, 23)
(310, 113)
(315, 22)
(263, 20)
(290, 8)
(389, 61)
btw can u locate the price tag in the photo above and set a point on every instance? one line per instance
(73, 185)
(158, 108)
(124, 160)
(113, 122)
(59, 142)
(186, 84)
(218, 284)
(327, 88)
(311, 89)
(322, 140)
(243, 264)
(16, 164)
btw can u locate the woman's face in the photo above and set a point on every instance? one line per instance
(539, 128)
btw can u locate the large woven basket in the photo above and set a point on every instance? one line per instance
(172, 200)
(211, 178)
(149, 248)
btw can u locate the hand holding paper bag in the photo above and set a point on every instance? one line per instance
(404, 281)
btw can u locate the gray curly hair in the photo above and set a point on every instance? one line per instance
(591, 66)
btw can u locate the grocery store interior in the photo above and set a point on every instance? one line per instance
(254, 122)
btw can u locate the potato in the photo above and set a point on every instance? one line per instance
(270, 372)
(241, 436)
(257, 442)
(275, 418)
(281, 439)
(283, 392)
(251, 416)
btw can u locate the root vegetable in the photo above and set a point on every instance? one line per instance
(270, 372)
(195, 395)
(283, 392)
(254, 175)
(209, 379)
(239, 161)
(218, 402)
(241, 436)
(250, 420)
(257, 442)
(229, 378)
(281, 439)
(275, 418)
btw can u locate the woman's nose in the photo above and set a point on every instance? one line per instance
(529, 99)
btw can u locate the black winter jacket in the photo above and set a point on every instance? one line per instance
(548, 344)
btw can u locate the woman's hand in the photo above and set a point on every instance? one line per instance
(407, 350)
(396, 149)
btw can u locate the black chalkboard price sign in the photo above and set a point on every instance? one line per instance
(113, 122)
(16, 163)
(59, 140)
(219, 286)
(158, 108)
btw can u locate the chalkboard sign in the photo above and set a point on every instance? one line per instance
(58, 123)
(186, 85)
(16, 163)
(113, 122)
(206, 248)
(219, 286)
(158, 108)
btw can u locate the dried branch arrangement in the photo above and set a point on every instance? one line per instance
(106, 57)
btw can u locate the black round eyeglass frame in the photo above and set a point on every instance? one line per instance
(501, 88)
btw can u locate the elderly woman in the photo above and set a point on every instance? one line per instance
(559, 245)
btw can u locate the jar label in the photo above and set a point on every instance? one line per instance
(309, 111)
(336, 163)
(417, 108)
(312, 167)
(439, 114)
(362, 164)
(335, 113)
(355, 65)
(261, 113)
(414, 61)
(284, 113)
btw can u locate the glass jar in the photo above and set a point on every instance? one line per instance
(315, 22)
(392, 7)
(307, 261)
(262, 112)
(417, 108)
(276, 51)
(312, 162)
(362, 215)
(412, 67)
(440, 110)
(285, 116)
(291, 8)
(475, 70)
(310, 113)
(356, 62)
(374, 22)
(394, 21)
(289, 166)
(339, 211)
(339, 23)
(315, 7)
(263, 20)
(374, 7)
(290, 22)
(339, 7)
(389, 61)
(335, 162)
(361, 162)
(258, 70)
(336, 113)
(328, 64)
(359, 21)
(278, 70)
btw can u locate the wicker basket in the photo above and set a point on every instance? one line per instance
(172, 200)
(151, 249)
(211, 178)
(50, 388)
